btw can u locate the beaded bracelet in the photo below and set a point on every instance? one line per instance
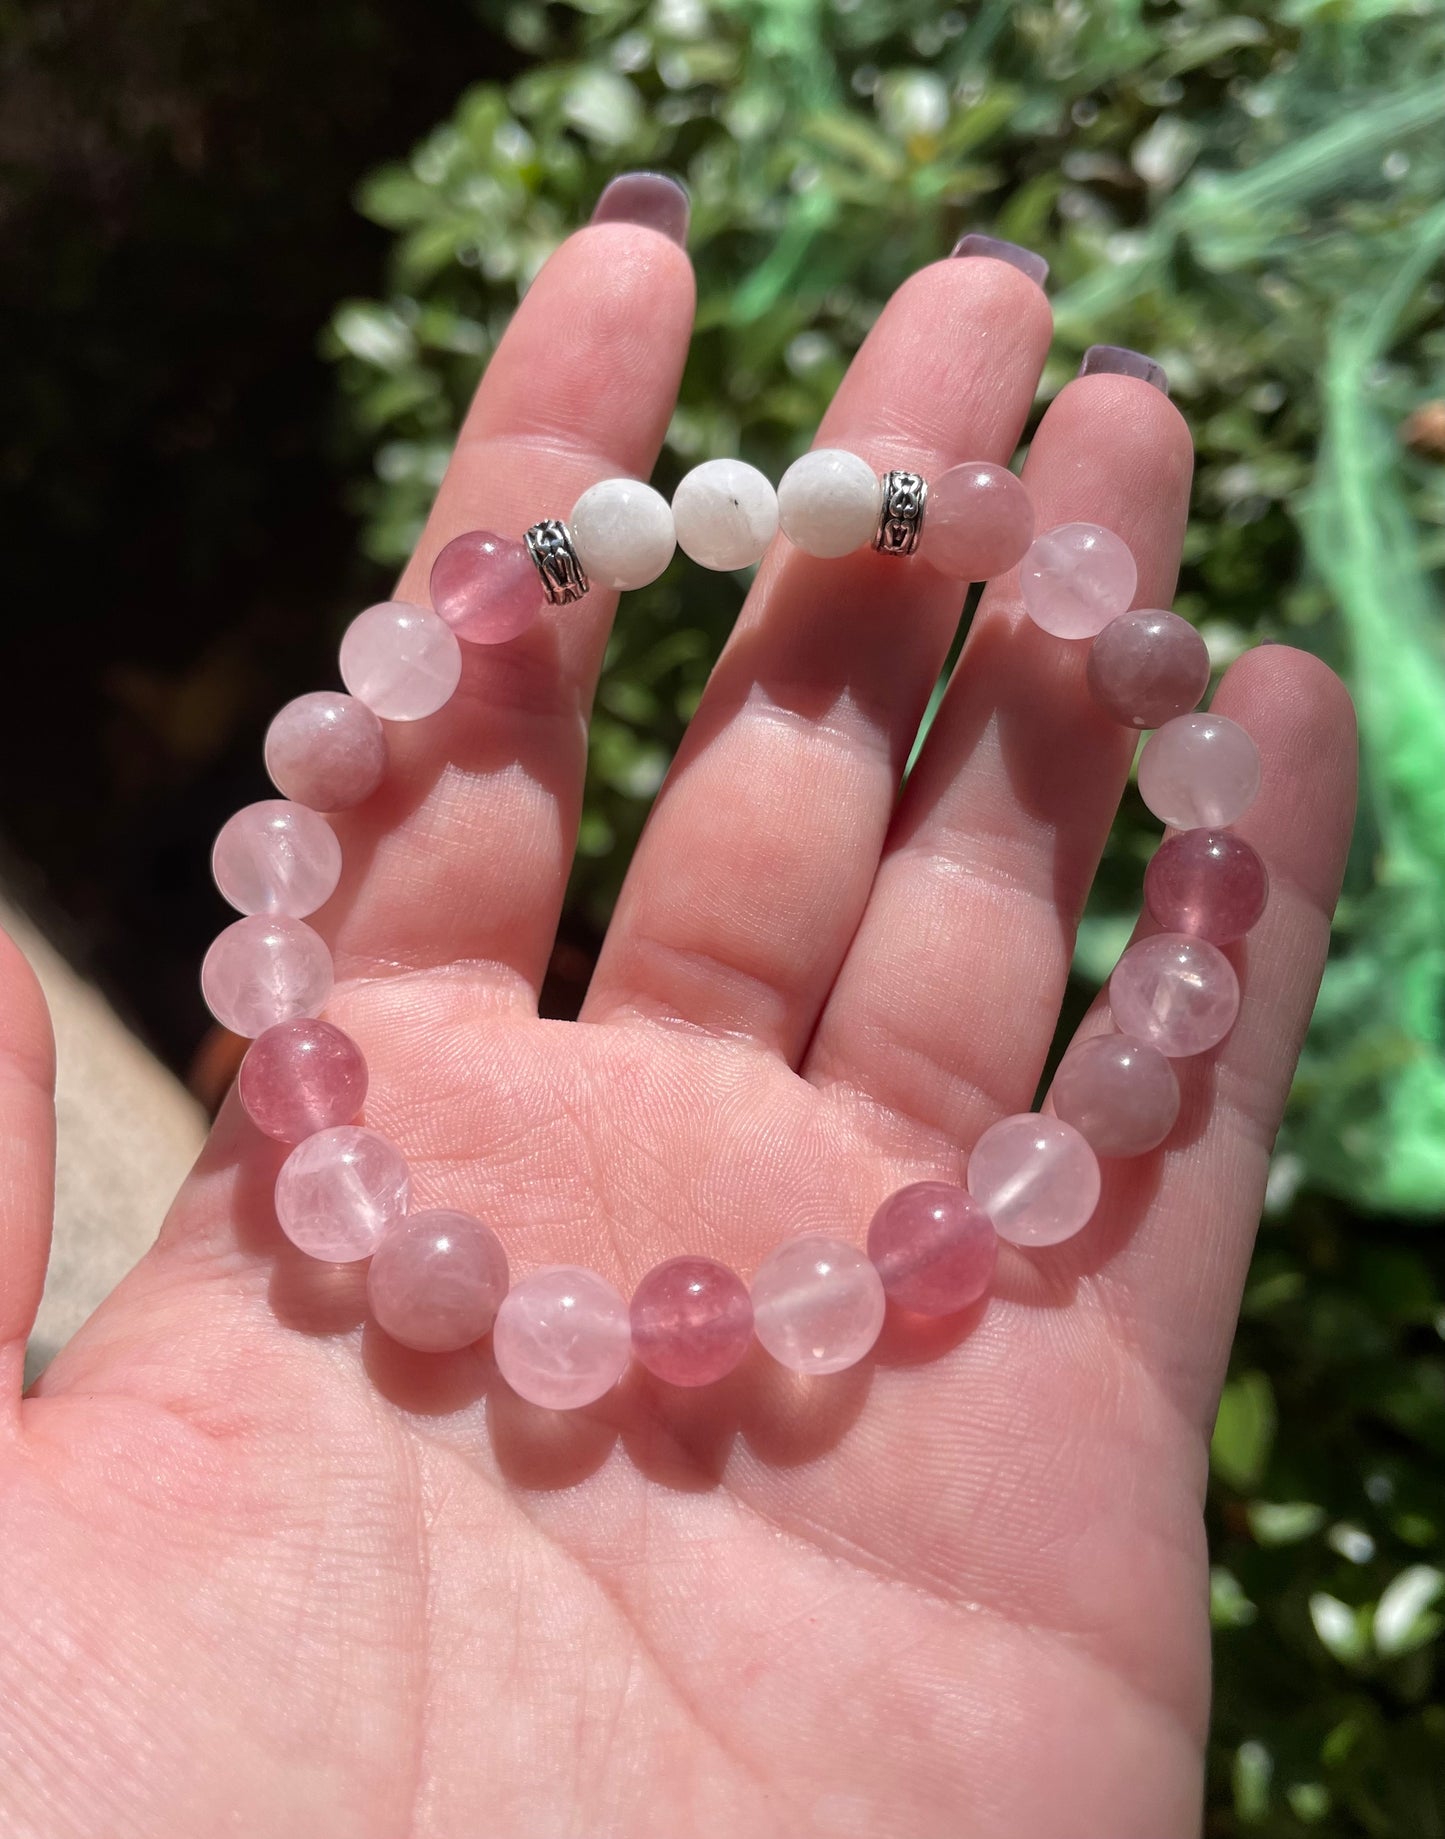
(438, 1280)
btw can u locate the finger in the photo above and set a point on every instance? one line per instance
(757, 860)
(27, 1159)
(464, 852)
(948, 1000)
(1172, 1238)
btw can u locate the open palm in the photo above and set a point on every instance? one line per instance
(264, 1572)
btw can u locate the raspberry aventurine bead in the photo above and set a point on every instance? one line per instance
(1199, 771)
(1206, 882)
(692, 1321)
(1035, 1177)
(934, 1248)
(340, 1191)
(486, 587)
(326, 750)
(436, 1281)
(562, 1337)
(978, 522)
(1076, 578)
(401, 661)
(818, 1304)
(263, 970)
(1176, 993)
(276, 857)
(1120, 1094)
(1147, 667)
(300, 1077)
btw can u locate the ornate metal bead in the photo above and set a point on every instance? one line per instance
(900, 520)
(549, 544)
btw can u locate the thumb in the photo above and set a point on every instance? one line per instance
(27, 1161)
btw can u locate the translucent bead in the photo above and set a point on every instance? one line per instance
(1076, 578)
(1147, 667)
(276, 857)
(1118, 1093)
(1035, 1177)
(300, 1077)
(829, 501)
(486, 587)
(436, 1281)
(401, 661)
(1178, 993)
(818, 1304)
(692, 1320)
(264, 970)
(622, 532)
(1199, 771)
(562, 1337)
(978, 522)
(339, 1191)
(1208, 882)
(326, 750)
(934, 1247)
(726, 513)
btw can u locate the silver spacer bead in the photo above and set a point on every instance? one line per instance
(900, 519)
(550, 546)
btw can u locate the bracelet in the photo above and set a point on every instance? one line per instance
(563, 1336)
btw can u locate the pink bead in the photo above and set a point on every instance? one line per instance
(934, 1247)
(401, 661)
(486, 587)
(265, 970)
(276, 857)
(339, 1191)
(1177, 993)
(1035, 1177)
(300, 1077)
(692, 1320)
(562, 1337)
(1208, 882)
(1199, 771)
(977, 523)
(326, 750)
(818, 1304)
(1118, 1093)
(437, 1280)
(1147, 667)
(1076, 578)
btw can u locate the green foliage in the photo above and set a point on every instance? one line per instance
(1250, 194)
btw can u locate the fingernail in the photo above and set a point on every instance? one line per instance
(651, 199)
(1119, 361)
(1024, 260)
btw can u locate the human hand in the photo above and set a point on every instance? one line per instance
(266, 1572)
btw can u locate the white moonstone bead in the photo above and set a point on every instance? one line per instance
(726, 513)
(622, 532)
(828, 502)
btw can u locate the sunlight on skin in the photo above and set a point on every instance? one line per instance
(267, 1570)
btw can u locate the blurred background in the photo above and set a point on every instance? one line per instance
(253, 257)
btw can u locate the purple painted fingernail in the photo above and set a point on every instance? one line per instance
(1024, 260)
(651, 199)
(1119, 361)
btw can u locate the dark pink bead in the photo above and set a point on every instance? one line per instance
(486, 587)
(934, 1247)
(1121, 1095)
(300, 1077)
(692, 1319)
(1147, 667)
(1206, 882)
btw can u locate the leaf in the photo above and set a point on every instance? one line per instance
(1402, 1619)
(1243, 1431)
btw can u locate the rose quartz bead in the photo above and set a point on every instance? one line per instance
(978, 522)
(401, 661)
(486, 587)
(1035, 1177)
(818, 1304)
(339, 1191)
(692, 1320)
(1076, 578)
(276, 857)
(300, 1077)
(562, 1337)
(1199, 770)
(1177, 993)
(264, 970)
(934, 1247)
(1208, 882)
(1147, 667)
(326, 750)
(1119, 1094)
(436, 1281)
